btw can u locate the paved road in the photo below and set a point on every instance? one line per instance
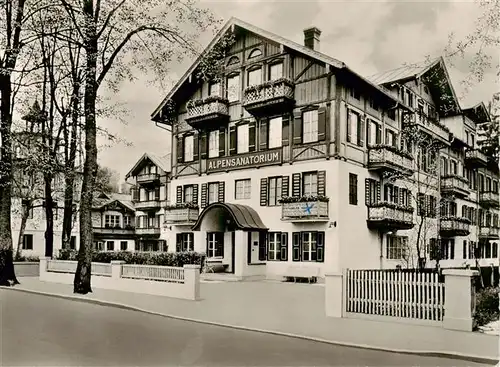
(44, 331)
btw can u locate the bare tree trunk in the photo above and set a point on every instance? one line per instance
(24, 220)
(49, 216)
(82, 275)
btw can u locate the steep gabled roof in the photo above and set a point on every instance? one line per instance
(478, 113)
(234, 22)
(163, 162)
(126, 203)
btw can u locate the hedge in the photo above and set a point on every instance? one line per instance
(487, 306)
(177, 259)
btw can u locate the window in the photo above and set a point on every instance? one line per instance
(275, 129)
(353, 121)
(27, 242)
(495, 186)
(242, 189)
(375, 133)
(254, 77)
(390, 138)
(472, 140)
(310, 126)
(233, 60)
(391, 113)
(274, 246)
(189, 148)
(255, 53)
(353, 189)
(488, 184)
(213, 192)
(309, 246)
(274, 191)
(185, 242)
(233, 88)
(99, 246)
(110, 245)
(123, 245)
(372, 194)
(243, 138)
(276, 71)
(215, 244)
(214, 89)
(213, 144)
(188, 193)
(373, 104)
(354, 93)
(127, 221)
(396, 247)
(111, 221)
(310, 184)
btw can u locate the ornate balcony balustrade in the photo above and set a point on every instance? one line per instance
(271, 97)
(455, 185)
(428, 124)
(475, 158)
(387, 216)
(454, 226)
(489, 199)
(208, 113)
(389, 158)
(148, 178)
(148, 204)
(488, 232)
(151, 231)
(181, 214)
(295, 209)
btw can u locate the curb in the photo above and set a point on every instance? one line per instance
(459, 356)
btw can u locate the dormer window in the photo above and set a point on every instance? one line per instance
(233, 61)
(255, 77)
(276, 71)
(214, 89)
(255, 53)
(354, 93)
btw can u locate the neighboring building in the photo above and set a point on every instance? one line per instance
(150, 176)
(282, 161)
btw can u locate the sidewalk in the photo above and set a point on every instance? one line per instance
(290, 309)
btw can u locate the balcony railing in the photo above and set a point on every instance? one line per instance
(387, 216)
(114, 231)
(455, 185)
(152, 231)
(387, 157)
(210, 112)
(304, 209)
(270, 97)
(181, 215)
(148, 177)
(454, 226)
(476, 158)
(148, 204)
(489, 199)
(489, 232)
(428, 124)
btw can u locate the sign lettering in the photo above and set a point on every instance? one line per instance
(248, 160)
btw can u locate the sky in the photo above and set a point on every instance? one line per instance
(369, 36)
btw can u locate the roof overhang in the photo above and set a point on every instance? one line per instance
(245, 218)
(478, 113)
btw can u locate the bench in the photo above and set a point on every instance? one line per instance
(295, 272)
(214, 265)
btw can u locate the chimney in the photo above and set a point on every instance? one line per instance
(311, 38)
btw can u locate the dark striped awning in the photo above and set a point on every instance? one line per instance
(244, 216)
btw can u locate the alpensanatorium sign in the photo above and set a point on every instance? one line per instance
(248, 160)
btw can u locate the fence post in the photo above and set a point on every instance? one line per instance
(192, 281)
(43, 267)
(116, 268)
(334, 284)
(459, 299)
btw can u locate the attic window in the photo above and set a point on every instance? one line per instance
(233, 61)
(255, 53)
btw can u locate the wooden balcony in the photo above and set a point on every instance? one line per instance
(304, 210)
(474, 158)
(488, 233)
(151, 231)
(489, 199)
(386, 216)
(389, 158)
(455, 185)
(148, 204)
(209, 113)
(428, 124)
(147, 178)
(454, 226)
(272, 97)
(180, 216)
(115, 232)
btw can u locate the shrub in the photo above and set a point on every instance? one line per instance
(21, 258)
(67, 254)
(487, 306)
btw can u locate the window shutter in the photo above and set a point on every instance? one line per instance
(178, 242)
(348, 130)
(232, 140)
(378, 137)
(296, 183)
(297, 128)
(402, 193)
(284, 246)
(196, 148)
(222, 142)
(396, 194)
(203, 145)
(180, 148)
(262, 246)
(179, 198)
(378, 191)
(296, 255)
(195, 194)
(263, 191)
(320, 247)
(204, 195)
(263, 134)
(285, 130)
(221, 191)
(157, 193)
(368, 130)
(321, 123)
(367, 191)
(321, 183)
(252, 141)
(284, 185)
(360, 138)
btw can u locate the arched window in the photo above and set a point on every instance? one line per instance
(256, 52)
(233, 61)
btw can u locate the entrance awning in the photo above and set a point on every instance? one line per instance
(244, 217)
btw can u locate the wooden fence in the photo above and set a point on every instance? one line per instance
(406, 295)
(151, 272)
